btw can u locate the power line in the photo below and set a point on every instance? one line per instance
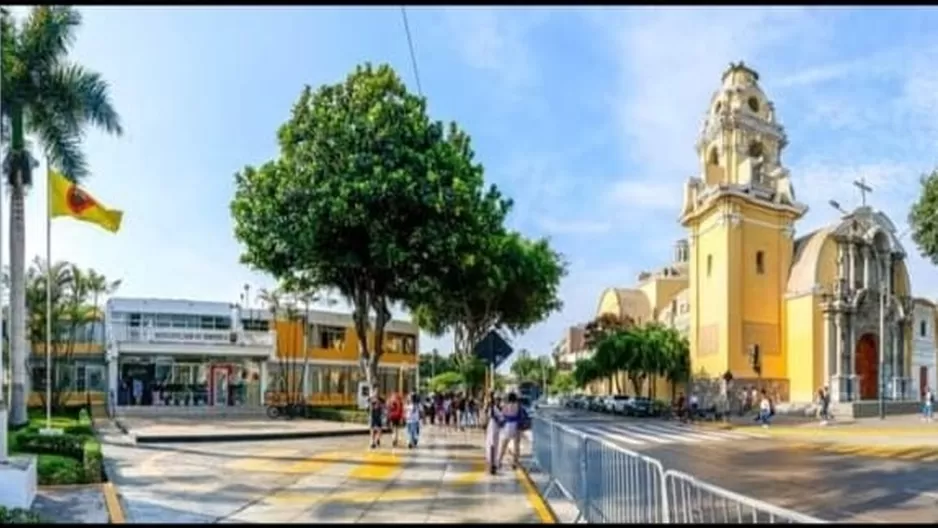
(410, 46)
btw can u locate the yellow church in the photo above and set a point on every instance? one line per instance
(743, 285)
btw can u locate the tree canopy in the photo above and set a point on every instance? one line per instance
(923, 217)
(368, 197)
(639, 352)
(503, 281)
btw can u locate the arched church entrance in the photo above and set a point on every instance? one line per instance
(867, 367)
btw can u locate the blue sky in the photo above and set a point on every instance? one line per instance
(586, 117)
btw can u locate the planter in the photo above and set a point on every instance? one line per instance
(18, 481)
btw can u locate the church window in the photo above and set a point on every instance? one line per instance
(709, 264)
(714, 157)
(760, 262)
(755, 149)
(718, 107)
(753, 104)
(923, 328)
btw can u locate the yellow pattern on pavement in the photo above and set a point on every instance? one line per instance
(900, 452)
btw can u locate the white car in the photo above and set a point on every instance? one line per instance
(609, 403)
(619, 403)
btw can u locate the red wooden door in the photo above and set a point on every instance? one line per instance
(868, 367)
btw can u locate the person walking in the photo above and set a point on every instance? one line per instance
(511, 432)
(395, 417)
(375, 420)
(493, 419)
(412, 413)
(765, 410)
(928, 405)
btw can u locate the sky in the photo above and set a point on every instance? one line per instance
(586, 117)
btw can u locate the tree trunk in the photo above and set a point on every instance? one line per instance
(18, 303)
(636, 385)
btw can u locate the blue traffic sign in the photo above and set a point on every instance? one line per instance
(493, 349)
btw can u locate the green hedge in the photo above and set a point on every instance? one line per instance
(338, 415)
(73, 457)
(19, 516)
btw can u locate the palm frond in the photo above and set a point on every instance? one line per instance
(79, 97)
(47, 34)
(62, 145)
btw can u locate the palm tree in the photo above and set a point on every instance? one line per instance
(99, 286)
(55, 100)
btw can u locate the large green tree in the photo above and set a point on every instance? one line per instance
(527, 367)
(923, 217)
(51, 98)
(368, 197)
(497, 281)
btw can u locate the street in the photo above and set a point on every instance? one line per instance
(833, 486)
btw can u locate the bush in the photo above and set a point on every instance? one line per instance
(19, 516)
(93, 462)
(79, 430)
(338, 415)
(69, 445)
(59, 470)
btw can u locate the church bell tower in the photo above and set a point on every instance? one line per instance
(740, 211)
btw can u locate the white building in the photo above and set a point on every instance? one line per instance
(924, 347)
(186, 353)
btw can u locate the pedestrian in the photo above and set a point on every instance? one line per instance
(413, 421)
(510, 435)
(765, 410)
(826, 406)
(694, 406)
(493, 421)
(395, 417)
(928, 405)
(375, 419)
(472, 412)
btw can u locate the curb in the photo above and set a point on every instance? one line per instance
(544, 512)
(115, 511)
(249, 437)
(68, 487)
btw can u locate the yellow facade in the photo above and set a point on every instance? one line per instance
(742, 283)
(332, 365)
(81, 358)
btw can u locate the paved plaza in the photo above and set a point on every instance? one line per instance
(159, 429)
(317, 481)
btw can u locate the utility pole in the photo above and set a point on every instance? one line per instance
(882, 343)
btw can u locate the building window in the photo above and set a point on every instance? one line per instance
(709, 264)
(332, 337)
(255, 325)
(923, 328)
(760, 262)
(409, 344)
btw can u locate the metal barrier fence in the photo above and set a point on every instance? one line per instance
(611, 484)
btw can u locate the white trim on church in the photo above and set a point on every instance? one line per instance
(924, 369)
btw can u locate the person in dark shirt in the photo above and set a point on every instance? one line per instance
(376, 420)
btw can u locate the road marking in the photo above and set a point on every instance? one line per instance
(595, 431)
(377, 466)
(353, 497)
(475, 474)
(112, 504)
(543, 511)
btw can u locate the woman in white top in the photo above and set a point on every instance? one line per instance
(765, 410)
(412, 416)
(492, 417)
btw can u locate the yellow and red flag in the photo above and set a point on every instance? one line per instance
(68, 199)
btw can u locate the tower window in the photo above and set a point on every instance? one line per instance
(717, 107)
(923, 329)
(714, 157)
(709, 264)
(753, 104)
(760, 262)
(755, 149)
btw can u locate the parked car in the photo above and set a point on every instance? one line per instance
(594, 403)
(640, 407)
(618, 403)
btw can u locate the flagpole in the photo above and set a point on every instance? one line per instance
(48, 296)
(4, 401)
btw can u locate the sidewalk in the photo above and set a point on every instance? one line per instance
(444, 480)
